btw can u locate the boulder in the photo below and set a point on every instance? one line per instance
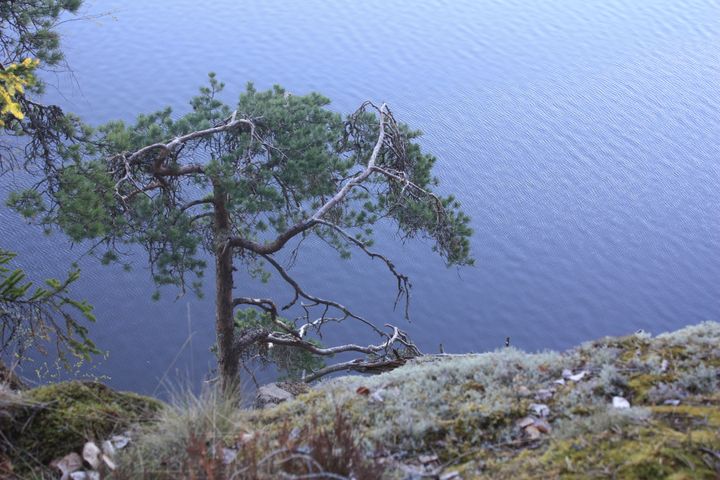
(271, 394)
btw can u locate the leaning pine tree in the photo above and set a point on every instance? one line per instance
(242, 184)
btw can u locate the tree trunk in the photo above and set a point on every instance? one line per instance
(228, 358)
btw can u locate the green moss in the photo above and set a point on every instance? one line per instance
(288, 411)
(689, 418)
(676, 443)
(644, 453)
(474, 386)
(674, 352)
(71, 413)
(641, 384)
(581, 410)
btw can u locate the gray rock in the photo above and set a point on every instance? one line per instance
(450, 476)
(525, 422)
(544, 394)
(540, 409)
(578, 376)
(425, 459)
(228, 455)
(620, 402)
(271, 394)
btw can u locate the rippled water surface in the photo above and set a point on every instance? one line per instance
(583, 138)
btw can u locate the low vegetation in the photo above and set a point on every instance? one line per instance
(46, 423)
(628, 407)
(508, 414)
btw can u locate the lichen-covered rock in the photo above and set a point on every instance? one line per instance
(672, 442)
(499, 415)
(468, 409)
(60, 418)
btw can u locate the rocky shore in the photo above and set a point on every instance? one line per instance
(636, 406)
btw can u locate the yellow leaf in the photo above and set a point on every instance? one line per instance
(13, 80)
(14, 110)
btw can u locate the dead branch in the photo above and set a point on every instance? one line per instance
(299, 292)
(171, 146)
(267, 305)
(264, 303)
(166, 150)
(280, 339)
(403, 282)
(386, 357)
(358, 365)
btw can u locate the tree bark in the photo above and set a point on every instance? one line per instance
(228, 356)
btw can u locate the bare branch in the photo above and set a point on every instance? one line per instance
(317, 324)
(403, 282)
(362, 176)
(407, 184)
(265, 303)
(201, 215)
(165, 150)
(350, 347)
(170, 147)
(387, 359)
(268, 306)
(357, 365)
(299, 292)
(200, 201)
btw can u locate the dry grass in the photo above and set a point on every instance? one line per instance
(208, 437)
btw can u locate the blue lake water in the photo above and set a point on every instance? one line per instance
(583, 138)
